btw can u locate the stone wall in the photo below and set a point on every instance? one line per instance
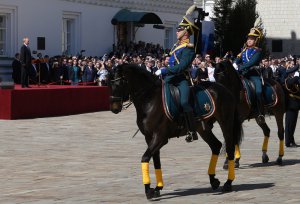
(282, 22)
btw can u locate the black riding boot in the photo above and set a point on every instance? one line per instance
(191, 127)
(260, 109)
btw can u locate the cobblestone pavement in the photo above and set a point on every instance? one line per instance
(92, 158)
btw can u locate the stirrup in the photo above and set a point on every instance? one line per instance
(191, 136)
(261, 119)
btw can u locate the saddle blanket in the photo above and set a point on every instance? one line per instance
(200, 100)
(269, 93)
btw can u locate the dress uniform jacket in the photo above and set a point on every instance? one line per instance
(180, 60)
(293, 105)
(293, 98)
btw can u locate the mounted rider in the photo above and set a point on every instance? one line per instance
(181, 58)
(247, 64)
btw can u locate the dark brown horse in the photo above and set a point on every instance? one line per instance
(145, 91)
(228, 76)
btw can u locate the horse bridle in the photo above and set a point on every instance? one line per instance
(120, 99)
(221, 73)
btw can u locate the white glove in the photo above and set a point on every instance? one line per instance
(158, 72)
(296, 74)
(235, 66)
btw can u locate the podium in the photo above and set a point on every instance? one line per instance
(38, 62)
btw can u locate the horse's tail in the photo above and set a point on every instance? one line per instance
(238, 132)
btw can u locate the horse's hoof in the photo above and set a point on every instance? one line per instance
(279, 161)
(237, 163)
(150, 193)
(189, 139)
(215, 183)
(157, 191)
(156, 194)
(227, 186)
(225, 165)
(265, 159)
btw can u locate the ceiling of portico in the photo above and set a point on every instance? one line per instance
(168, 6)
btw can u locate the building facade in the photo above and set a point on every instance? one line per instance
(58, 27)
(281, 20)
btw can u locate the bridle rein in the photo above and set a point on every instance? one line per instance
(115, 99)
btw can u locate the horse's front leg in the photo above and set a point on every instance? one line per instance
(153, 151)
(146, 174)
(158, 174)
(215, 146)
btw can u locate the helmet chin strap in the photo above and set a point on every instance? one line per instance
(181, 35)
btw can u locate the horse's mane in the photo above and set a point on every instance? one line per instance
(231, 74)
(230, 69)
(141, 75)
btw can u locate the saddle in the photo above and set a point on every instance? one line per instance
(269, 94)
(200, 99)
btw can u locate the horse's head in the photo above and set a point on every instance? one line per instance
(225, 71)
(119, 88)
(220, 71)
(226, 75)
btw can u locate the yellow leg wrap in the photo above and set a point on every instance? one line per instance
(231, 174)
(237, 152)
(159, 180)
(145, 172)
(281, 148)
(212, 164)
(265, 144)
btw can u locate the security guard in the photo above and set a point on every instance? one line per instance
(247, 64)
(181, 57)
(292, 83)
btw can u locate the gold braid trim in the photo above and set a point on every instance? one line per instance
(183, 44)
(294, 96)
(290, 89)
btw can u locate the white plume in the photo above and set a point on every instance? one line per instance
(190, 10)
(258, 23)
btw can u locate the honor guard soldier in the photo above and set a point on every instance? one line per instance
(292, 84)
(247, 64)
(181, 58)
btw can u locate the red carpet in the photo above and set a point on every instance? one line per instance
(52, 100)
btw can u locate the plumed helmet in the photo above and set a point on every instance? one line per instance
(187, 22)
(256, 31)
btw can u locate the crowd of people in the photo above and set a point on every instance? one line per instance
(82, 70)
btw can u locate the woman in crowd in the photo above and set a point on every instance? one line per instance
(74, 73)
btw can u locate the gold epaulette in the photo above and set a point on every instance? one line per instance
(190, 45)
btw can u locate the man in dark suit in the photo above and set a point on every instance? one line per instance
(140, 62)
(281, 72)
(17, 66)
(89, 73)
(266, 70)
(45, 70)
(25, 58)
